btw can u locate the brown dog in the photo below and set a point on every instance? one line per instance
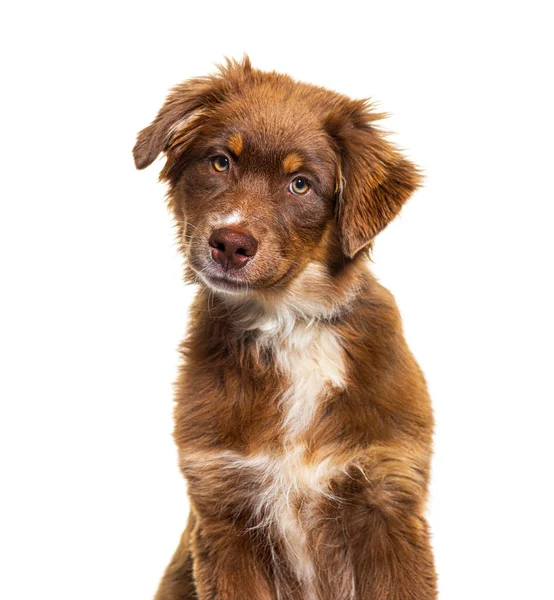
(302, 420)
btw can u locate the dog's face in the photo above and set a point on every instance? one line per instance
(267, 175)
(256, 193)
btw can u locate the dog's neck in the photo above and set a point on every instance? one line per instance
(314, 297)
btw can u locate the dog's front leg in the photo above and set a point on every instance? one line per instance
(177, 582)
(228, 565)
(372, 540)
(388, 532)
(395, 559)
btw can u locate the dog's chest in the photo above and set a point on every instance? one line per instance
(311, 359)
(281, 485)
(293, 482)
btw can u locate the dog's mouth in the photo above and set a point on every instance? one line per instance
(225, 282)
(217, 278)
(237, 282)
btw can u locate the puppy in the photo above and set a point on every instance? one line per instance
(302, 420)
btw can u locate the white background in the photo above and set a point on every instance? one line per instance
(93, 307)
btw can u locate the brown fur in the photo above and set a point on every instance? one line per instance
(302, 420)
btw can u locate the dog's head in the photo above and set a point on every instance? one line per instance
(267, 175)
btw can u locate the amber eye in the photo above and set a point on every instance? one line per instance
(299, 186)
(220, 164)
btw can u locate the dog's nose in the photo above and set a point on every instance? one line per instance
(233, 247)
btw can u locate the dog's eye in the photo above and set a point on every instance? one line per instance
(220, 164)
(299, 186)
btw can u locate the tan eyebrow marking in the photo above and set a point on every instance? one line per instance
(292, 162)
(235, 143)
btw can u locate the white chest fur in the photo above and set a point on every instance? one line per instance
(312, 359)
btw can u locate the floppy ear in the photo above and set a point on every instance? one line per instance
(374, 178)
(181, 110)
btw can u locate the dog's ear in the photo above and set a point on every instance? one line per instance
(184, 110)
(181, 112)
(374, 179)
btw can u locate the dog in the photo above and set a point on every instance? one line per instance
(303, 423)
